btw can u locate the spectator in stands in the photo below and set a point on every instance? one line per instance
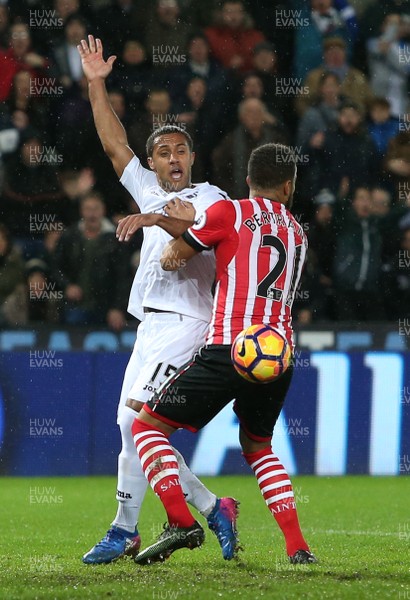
(315, 299)
(232, 42)
(166, 36)
(372, 18)
(322, 19)
(322, 246)
(265, 66)
(321, 234)
(357, 262)
(19, 56)
(158, 112)
(310, 298)
(31, 190)
(91, 270)
(120, 21)
(397, 161)
(65, 8)
(354, 84)
(256, 126)
(319, 120)
(52, 34)
(74, 113)
(41, 298)
(397, 219)
(388, 221)
(396, 280)
(252, 87)
(66, 56)
(389, 74)
(133, 75)
(322, 116)
(117, 198)
(9, 139)
(117, 101)
(265, 63)
(381, 201)
(26, 97)
(75, 184)
(11, 277)
(199, 115)
(85, 150)
(381, 126)
(266, 15)
(199, 64)
(348, 155)
(201, 13)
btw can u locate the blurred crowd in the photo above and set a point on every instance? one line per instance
(314, 74)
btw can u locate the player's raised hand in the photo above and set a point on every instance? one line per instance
(94, 65)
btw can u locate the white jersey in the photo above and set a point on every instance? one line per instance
(188, 291)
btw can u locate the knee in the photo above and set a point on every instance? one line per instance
(135, 405)
(250, 446)
(125, 421)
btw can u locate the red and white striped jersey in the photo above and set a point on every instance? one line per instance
(260, 250)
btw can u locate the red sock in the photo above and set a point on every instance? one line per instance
(161, 469)
(277, 491)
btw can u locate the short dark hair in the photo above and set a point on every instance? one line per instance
(347, 103)
(94, 195)
(76, 17)
(195, 35)
(379, 101)
(328, 75)
(271, 165)
(166, 129)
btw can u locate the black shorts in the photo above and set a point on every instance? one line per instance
(200, 389)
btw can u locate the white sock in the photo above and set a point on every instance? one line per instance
(194, 490)
(132, 483)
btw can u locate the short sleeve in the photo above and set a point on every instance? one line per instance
(212, 226)
(211, 195)
(135, 179)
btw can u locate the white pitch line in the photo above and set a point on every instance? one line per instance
(353, 532)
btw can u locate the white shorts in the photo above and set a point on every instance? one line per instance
(165, 341)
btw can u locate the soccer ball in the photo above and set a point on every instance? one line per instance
(261, 354)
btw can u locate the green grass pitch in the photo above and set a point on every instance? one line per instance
(359, 528)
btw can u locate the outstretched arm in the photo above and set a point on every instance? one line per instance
(109, 128)
(129, 225)
(180, 216)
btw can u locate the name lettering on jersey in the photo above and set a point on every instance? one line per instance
(265, 218)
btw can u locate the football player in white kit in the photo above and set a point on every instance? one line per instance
(174, 307)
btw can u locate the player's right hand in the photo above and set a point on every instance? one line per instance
(94, 66)
(180, 209)
(129, 225)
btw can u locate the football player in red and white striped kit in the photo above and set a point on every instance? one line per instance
(260, 249)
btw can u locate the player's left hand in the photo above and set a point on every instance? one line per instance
(129, 225)
(180, 209)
